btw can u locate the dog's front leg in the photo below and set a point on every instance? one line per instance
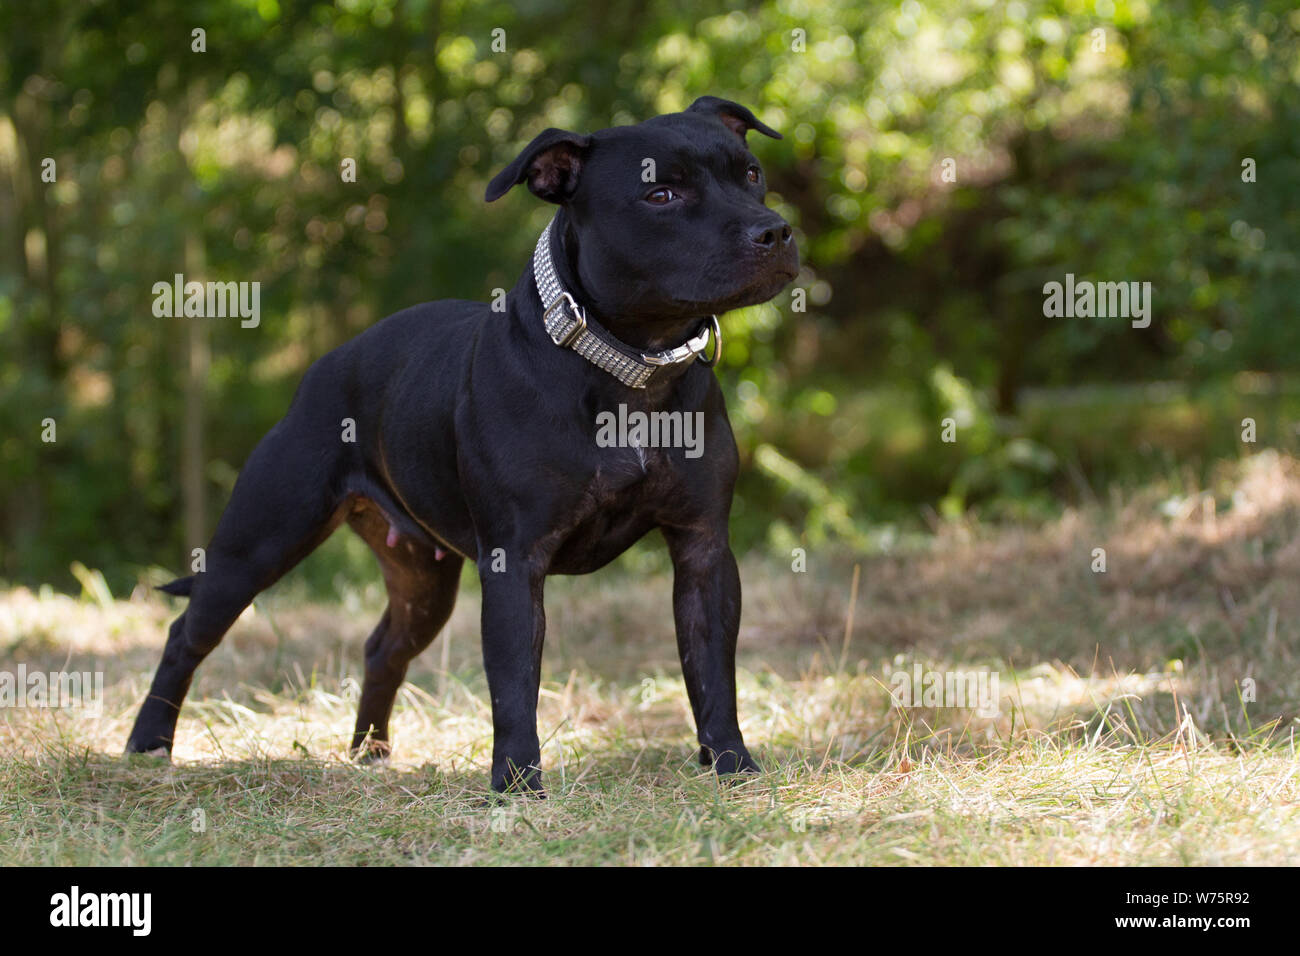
(514, 627)
(706, 608)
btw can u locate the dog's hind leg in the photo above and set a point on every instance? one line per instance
(274, 519)
(422, 581)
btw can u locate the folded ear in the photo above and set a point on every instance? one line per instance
(551, 164)
(737, 119)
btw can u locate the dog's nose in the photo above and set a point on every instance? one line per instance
(768, 235)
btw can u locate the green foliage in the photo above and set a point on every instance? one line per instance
(924, 295)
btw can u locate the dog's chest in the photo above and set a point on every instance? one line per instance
(626, 493)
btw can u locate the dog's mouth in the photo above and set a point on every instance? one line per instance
(758, 283)
(760, 288)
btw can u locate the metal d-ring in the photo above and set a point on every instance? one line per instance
(717, 344)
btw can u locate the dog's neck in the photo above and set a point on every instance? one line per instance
(648, 333)
(571, 323)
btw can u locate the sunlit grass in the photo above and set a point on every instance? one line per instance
(1124, 734)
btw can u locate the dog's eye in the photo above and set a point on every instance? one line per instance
(754, 174)
(661, 196)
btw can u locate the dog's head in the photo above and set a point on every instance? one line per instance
(668, 214)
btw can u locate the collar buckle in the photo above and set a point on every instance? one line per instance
(554, 324)
(691, 348)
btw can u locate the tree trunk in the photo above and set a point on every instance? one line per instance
(193, 485)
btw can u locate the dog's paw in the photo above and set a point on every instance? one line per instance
(156, 749)
(727, 763)
(373, 753)
(515, 781)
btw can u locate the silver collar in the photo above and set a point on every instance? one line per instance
(566, 323)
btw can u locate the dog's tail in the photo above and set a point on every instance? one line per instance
(181, 587)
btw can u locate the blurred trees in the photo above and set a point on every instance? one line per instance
(1115, 155)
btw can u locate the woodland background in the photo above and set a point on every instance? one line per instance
(924, 296)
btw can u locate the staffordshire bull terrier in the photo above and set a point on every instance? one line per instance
(473, 436)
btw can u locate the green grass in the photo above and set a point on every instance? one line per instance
(1122, 736)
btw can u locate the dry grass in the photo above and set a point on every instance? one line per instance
(1122, 736)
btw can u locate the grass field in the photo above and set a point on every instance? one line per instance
(1126, 732)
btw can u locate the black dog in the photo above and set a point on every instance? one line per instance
(450, 431)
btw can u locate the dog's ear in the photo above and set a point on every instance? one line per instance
(736, 118)
(551, 163)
